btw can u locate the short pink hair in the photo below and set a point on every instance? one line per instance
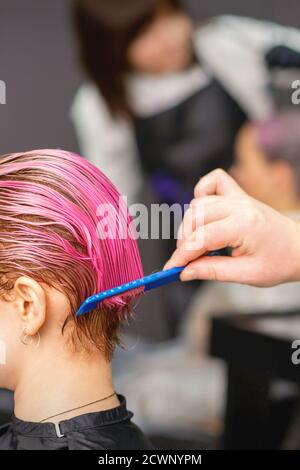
(48, 231)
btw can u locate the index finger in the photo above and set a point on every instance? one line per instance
(211, 237)
(217, 182)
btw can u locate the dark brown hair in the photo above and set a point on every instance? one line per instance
(105, 29)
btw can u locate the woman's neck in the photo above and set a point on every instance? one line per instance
(55, 383)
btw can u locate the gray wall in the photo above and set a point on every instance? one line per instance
(39, 67)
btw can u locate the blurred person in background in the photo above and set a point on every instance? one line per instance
(167, 94)
(267, 166)
(164, 99)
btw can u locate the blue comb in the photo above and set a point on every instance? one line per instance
(148, 282)
(152, 281)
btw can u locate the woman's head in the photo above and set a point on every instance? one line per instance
(115, 36)
(267, 162)
(65, 234)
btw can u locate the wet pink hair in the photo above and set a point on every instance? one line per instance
(49, 230)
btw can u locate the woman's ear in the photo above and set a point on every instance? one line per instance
(30, 301)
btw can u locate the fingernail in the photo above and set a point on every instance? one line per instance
(167, 266)
(188, 275)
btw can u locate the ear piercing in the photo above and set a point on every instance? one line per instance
(27, 340)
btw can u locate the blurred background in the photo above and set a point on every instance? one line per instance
(157, 93)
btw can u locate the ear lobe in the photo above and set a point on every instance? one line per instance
(31, 301)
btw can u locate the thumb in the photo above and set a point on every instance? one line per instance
(218, 268)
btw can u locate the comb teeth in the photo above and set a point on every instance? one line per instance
(148, 282)
(152, 281)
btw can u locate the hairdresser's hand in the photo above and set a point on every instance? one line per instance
(266, 244)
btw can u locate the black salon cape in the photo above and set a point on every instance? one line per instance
(104, 430)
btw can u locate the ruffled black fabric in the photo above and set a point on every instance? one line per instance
(105, 430)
